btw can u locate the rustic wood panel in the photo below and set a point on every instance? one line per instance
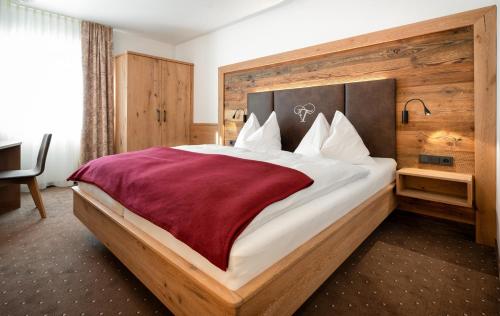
(437, 67)
(485, 94)
(203, 133)
(446, 23)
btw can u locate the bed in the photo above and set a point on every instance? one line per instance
(276, 266)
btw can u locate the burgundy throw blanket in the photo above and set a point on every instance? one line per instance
(204, 200)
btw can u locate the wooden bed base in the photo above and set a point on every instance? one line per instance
(279, 290)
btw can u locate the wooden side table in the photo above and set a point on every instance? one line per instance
(10, 159)
(437, 186)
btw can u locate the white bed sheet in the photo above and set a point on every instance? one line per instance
(257, 250)
(327, 174)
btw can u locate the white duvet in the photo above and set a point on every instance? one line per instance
(282, 226)
(327, 174)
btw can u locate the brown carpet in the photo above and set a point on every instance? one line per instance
(409, 266)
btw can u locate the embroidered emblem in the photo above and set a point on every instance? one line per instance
(303, 110)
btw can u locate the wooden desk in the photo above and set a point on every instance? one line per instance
(10, 159)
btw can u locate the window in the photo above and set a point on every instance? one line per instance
(41, 87)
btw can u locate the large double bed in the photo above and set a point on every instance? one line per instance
(289, 248)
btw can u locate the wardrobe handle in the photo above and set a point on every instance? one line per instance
(158, 115)
(164, 115)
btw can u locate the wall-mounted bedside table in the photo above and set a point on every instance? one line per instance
(437, 186)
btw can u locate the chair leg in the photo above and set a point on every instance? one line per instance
(37, 197)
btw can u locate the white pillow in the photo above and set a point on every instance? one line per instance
(344, 142)
(264, 139)
(250, 127)
(312, 142)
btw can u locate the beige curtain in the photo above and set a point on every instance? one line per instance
(97, 128)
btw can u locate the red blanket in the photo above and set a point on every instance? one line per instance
(204, 200)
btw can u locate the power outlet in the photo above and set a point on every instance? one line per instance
(446, 161)
(436, 160)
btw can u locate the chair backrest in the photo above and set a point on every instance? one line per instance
(42, 154)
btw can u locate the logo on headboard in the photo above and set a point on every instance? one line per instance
(303, 110)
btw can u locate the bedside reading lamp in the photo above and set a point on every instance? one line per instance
(405, 113)
(237, 111)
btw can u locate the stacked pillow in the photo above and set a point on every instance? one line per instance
(314, 138)
(339, 141)
(260, 138)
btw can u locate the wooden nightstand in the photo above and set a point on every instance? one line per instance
(436, 186)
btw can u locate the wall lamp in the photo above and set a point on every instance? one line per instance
(237, 113)
(405, 113)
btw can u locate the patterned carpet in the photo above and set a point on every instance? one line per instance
(409, 266)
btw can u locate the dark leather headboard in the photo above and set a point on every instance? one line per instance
(369, 105)
(296, 110)
(262, 105)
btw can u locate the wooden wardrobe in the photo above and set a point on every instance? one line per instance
(153, 101)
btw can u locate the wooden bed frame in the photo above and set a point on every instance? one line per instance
(286, 284)
(279, 290)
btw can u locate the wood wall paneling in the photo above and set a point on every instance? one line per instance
(203, 133)
(467, 18)
(439, 68)
(485, 95)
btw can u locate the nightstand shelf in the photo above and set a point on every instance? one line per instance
(436, 186)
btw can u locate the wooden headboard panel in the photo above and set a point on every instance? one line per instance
(370, 106)
(438, 68)
(449, 62)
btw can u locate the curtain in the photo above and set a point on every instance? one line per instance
(97, 134)
(41, 87)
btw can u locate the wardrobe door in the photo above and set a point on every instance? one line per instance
(143, 103)
(176, 101)
(120, 68)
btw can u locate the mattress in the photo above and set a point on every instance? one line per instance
(259, 246)
(102, 197)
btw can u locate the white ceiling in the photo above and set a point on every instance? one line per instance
(172, 21)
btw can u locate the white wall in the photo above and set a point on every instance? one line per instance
(297, 24)
(123, 41)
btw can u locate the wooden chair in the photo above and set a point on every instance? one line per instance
(29, 176)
